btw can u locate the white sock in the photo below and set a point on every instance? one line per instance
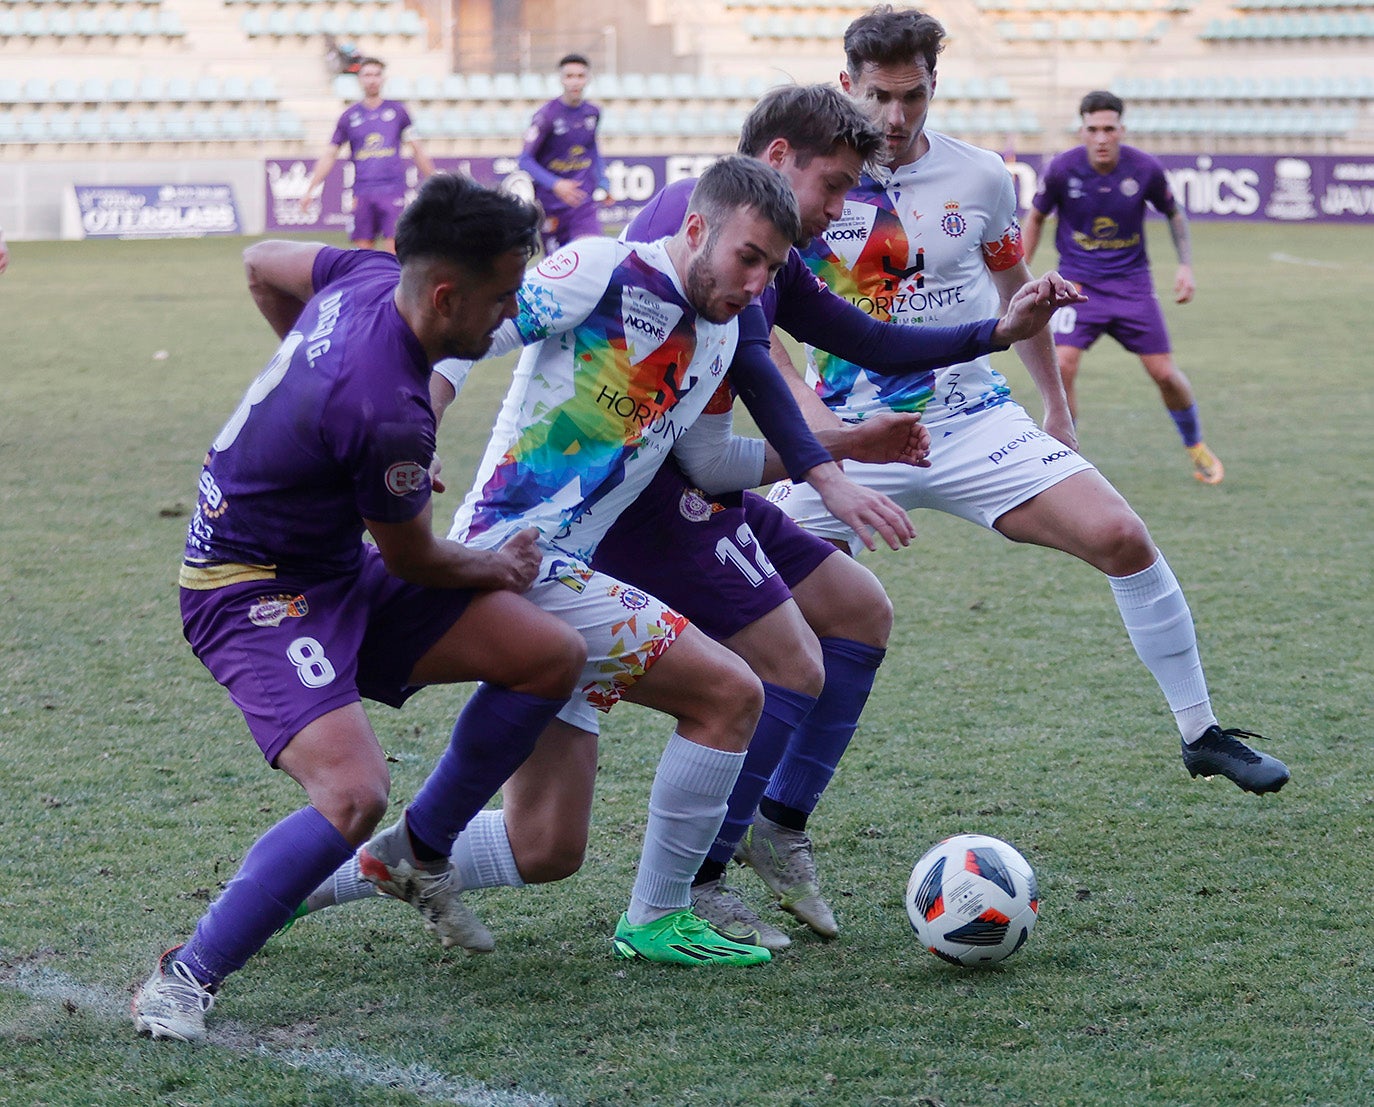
(686, 808)
(346, 885)
(1161, 630)
(482, 854)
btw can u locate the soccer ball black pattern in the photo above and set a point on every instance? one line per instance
(972, 900)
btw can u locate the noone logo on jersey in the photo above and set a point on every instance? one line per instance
(647, 322)
(848, 234)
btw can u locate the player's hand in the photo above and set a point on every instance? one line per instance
(518, 560)
(1061, 428)
(867, 513)
(1184, 288)
(570, 192)
(1031, 307)
(435, 468)
(890, 436)
(304, 203)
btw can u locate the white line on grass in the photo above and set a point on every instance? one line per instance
(419, 1080)
(1312, 263)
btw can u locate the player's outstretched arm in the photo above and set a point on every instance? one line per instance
(866, 512)
(413, 552)
(1028, 311)
(281, 279)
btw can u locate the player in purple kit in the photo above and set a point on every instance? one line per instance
(298, 618)
(561, 157)
(373, 130)
(1100, 190)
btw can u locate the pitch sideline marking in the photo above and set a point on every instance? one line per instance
(44, 984)
(1311, 263)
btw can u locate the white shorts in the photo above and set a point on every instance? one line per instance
(981, 466)
(626, 629)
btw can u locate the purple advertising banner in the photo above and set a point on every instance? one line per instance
(1288, 189)
(157, 211)
(633, 181)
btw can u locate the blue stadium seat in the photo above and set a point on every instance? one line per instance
(9, 28)
(90, 127)
(119, 126)
(232, 127)
(11, 92)
(411, 24)
(66, 90)
(179, 90)
(263, 88)
(143, 24)
(94, 90)
(37, 90)
(454, 86)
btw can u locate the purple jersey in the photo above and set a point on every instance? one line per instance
(1100, 232)
(561, 143)
(337, 429)
(374, 141)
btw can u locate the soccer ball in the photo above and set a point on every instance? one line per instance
(972, 900)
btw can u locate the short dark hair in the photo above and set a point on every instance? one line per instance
(573, 59)
(371, 61)
(736, 182)
(1101, 100)
(885, 35)
(454, 219)
(816, 120)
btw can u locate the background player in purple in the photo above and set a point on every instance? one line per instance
(561, 157)
(1099, 191)
(373, 129)
(298, 618)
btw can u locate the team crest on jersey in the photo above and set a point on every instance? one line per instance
(405, 477)
(1130, 186)
(632, 599)
(570, 574)
(953, 223)
(271, 611)
(693, 506)
(559, 265)
(647, 322)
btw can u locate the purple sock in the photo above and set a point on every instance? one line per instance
(283, 867)
(783, 711)
(820, 741)
(494, 734)
(1188, 424)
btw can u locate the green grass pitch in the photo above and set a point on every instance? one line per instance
(1195, 945)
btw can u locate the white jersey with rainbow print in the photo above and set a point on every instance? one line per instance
(617, 366)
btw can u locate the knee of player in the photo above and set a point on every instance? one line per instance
(556, 663)
(1127, 544)
(552, 860)
(739, 695)
(355, 807)
(869, 613)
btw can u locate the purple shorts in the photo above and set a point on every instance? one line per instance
(724, 564)
(1132, 316)
(290, 651)
(570, 223)
(375, 215)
